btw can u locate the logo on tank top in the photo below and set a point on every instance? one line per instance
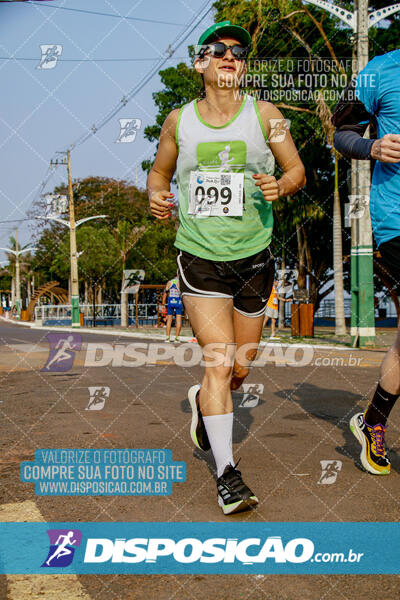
(222, 157)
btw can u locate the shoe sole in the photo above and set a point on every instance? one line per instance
(360, 437)
(241, 505)
(195, 418)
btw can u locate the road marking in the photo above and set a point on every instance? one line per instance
(28, 348)
(21, 587)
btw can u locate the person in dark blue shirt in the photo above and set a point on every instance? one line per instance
(374, 99)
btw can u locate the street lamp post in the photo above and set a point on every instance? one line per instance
(362, 287)
(16, 253)
(73, 257)
(73, 225)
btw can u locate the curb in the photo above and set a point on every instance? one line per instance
(159, 337)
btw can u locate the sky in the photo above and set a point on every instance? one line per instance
(44, 110)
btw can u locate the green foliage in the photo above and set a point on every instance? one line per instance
(129, 237)
(155, 252)
(99, 259)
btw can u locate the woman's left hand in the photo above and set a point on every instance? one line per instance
(268, 185)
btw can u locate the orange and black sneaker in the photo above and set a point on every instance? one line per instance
(372, 439)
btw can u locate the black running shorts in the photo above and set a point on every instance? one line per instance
(247, 280)
(390, 252)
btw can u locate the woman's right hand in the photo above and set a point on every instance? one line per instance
(160, 204)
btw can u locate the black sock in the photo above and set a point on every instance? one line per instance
(380, 406)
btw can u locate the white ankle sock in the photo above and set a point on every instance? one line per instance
(219, 431)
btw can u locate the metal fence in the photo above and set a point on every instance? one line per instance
(148, 312)
(385, 309)
(103, 311)
(326, 309)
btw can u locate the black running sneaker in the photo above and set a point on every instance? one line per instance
(372, 439)
(233, 493)
(197, 428)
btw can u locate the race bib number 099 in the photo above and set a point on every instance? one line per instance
(216, 194)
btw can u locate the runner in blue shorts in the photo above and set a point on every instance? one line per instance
(174, 307)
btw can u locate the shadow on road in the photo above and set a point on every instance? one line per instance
(243, 405)
(335, 407)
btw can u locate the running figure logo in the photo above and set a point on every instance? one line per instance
(50, 55)
(228, 156)
(278, 129)
(225, 160)
(62, 351)
(358, 206)
(330, 471)
(98, 396)
(251, 395)
(128, 130)
(62, 547)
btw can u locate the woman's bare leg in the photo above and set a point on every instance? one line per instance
(247, 330)
(212, 322)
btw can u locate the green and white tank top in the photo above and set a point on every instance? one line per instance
(239, 146)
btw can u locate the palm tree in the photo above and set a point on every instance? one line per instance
(325, 114)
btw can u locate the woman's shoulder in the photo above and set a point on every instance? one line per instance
(268, 109)
(173, 116)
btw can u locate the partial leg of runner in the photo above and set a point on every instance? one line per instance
(247, 330)
(273, 327)
(212, 320)
(178, 326)
(390, 373)
(169, 325)
(370, 428)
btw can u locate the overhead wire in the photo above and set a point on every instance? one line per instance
(191, 26)
(196, 19)
(103, 14)
(94, 60)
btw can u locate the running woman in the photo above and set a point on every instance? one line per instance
(174, 307)
(374, 98)
(219, 147)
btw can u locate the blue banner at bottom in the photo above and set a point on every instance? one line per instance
(206, 548)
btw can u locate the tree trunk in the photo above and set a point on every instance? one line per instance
(12, 291)
(86, 300)
(99, 294)
(340, 323)
(281, 322)
(301, 279)
(124, 302)
(94, 303)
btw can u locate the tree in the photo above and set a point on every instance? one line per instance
(98, 257)
(140, 241)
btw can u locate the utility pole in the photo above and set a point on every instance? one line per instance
(73, 255)
(362, 282)
(73, 225)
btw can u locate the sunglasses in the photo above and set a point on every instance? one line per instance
(219, 49)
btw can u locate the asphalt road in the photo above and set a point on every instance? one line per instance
(300, 419)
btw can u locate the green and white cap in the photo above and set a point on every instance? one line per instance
(224, 29)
